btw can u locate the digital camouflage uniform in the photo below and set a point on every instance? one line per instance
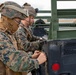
(12, 61)
(26, 40)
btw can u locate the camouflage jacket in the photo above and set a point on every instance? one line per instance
(26, 40)
(16, 60)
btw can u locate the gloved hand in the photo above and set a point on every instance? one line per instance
(42, 41)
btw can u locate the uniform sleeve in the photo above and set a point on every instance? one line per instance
(16, 60)
(35, 38)
(23, 42)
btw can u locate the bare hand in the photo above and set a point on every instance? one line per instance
(42, 58)
(36, 54)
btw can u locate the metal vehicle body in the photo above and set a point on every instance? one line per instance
(61, 47)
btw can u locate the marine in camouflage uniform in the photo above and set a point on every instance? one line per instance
(12, 61)
(25, 39)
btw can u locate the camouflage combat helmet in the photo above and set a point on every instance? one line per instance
(31, 10)
(12, 10)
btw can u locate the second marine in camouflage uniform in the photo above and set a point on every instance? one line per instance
(25, 39)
